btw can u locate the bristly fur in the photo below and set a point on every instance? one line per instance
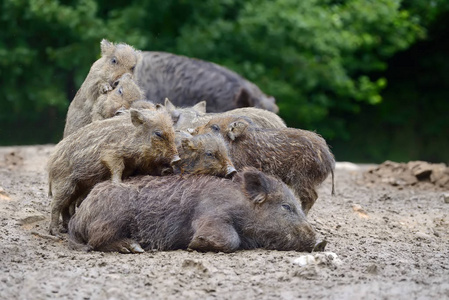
(116, 60)
(300, 158)
(185, 118)
(113, 148)
(187, 81)
(124, 94)
(204, 154)
(204, 213)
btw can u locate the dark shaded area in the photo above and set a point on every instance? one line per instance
(412, 122)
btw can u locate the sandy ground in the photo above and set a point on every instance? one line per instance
(391, 242)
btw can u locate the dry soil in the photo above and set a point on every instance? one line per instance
(391, 241)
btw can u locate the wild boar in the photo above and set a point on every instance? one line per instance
(185, 118)
(116, 60)
(203, 154)
(186, 81)
(300, 158)
(125, 93)
(137, 142)
(203, 213)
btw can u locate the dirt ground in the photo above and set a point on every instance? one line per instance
(390, 238)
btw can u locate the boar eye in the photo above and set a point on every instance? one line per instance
(133, 68)
(209, 154)
(215, 127)
(120, 91)
(158, 134)
(114, 60)
(286, 207)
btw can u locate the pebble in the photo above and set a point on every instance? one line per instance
(423, 236)
(445, 197)
(304, 260)
(321, 259)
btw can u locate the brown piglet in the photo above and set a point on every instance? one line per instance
(136, 142)
(300, 158)
(116, 60)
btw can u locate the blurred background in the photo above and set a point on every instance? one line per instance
(372, 77)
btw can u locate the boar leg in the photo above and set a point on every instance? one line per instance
(61, 201)
(123, 246)
(308, 198)
(213, 234)
(114, 163)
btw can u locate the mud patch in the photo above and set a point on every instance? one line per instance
(415, 173)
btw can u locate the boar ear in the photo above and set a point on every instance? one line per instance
(187, 144)
(137, 118)
(256, 186)
(236, 129)
(243, 98)
(200, 107)
(169, 106)
(106, 47)
(159, 106)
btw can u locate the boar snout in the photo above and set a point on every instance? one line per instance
(230, 172)
(176, 159)
(320, 246)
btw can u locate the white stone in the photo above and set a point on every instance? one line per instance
(304, 260)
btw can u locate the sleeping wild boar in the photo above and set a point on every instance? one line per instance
(203, 213)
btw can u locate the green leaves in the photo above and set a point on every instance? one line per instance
(321, 59)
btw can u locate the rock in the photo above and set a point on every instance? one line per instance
(28, 217)
(373, 269)
(360, 211)
(420, 169)
(445, 197)
(3, 194)
(328, 259)
(304, 260)
(322, 259)
(423, 236)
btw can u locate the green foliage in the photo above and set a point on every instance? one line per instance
(323, 60)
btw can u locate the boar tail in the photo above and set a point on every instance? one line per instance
(333, 184)
(50, 194)
(76, 245)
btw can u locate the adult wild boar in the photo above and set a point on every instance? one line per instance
(204, 213)
(116, 60)
(298, 157)
(136, 142)
(185, 118)
(186, 81)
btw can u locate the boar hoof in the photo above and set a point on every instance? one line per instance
(319, 246)
(54, 231)
(105, 88)
(130, 247)
(135, 248)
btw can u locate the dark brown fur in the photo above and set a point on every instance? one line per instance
(203, 213)
(186, 118)
(137, 142)
(187, 81)
(116, 60)
(298, 157)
